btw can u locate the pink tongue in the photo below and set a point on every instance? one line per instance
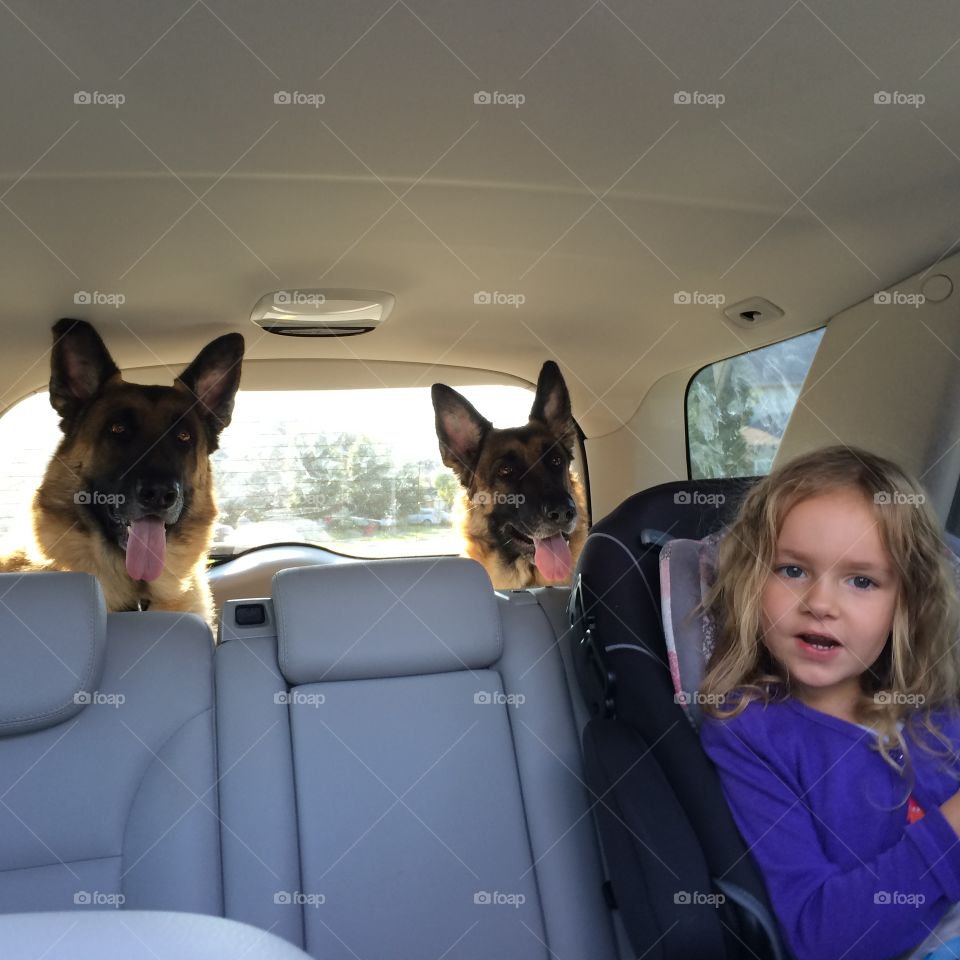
(146, 548)
(552, 558)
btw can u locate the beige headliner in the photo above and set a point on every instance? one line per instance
(598, 199)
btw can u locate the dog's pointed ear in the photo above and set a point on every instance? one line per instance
(79, 366)
(551, 406)
(213, 378)
(460, 430)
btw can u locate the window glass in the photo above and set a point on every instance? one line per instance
(356, 471)
(29, 433)
(738, 408)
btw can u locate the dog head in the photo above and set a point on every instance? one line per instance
(518, 480)
(137, 455)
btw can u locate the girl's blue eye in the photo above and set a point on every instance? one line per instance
(862, 583)
(791, 571)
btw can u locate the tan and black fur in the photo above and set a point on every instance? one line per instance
(131, 452)
(517, 484)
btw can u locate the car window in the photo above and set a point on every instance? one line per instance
(355, 471)
(30, 433)
(738, 408)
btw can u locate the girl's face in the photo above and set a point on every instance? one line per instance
(827, 606)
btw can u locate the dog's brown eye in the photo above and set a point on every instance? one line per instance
(117, 428)
(556, 460)
(184, 436)
(505, 470)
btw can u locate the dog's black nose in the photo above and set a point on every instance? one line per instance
(562, 511)
(157, 494)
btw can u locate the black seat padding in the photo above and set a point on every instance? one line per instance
(677, 863)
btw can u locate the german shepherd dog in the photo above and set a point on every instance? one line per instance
(128, 494)
(522, 509)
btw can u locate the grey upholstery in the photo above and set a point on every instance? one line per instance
(259, 833)
(115, 805)
(412, 828)
(411, 786)
(435, 787)
(51, 654)
(555, 602)
(136, 935)
(389, 618)
(547, 742)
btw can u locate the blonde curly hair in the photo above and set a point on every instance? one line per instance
(918, 671)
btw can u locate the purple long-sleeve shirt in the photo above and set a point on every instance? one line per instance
(824, 818)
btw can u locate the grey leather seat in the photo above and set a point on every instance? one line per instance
(400, 769)
(399, 773)
(136, 935)
(107, 764)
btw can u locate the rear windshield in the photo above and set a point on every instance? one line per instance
(354, 471)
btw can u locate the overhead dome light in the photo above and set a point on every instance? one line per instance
(322, 313)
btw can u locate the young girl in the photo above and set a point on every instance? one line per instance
(836, 684)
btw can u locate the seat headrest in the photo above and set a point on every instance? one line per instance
(386, 618)
(52, 643)
(683, 508)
